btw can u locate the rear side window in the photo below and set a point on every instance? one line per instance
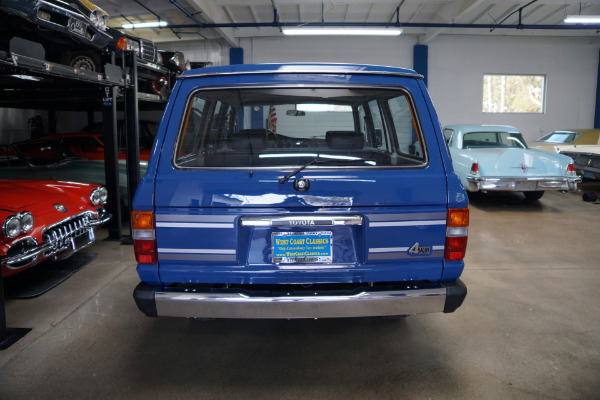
(474, 140)
(278, 127)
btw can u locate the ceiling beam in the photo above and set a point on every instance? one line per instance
(370, 12)
(416, 14)
(229, 14)
(253, 13)
(214, 15)
(451, 12)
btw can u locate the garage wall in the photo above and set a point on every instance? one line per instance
(457, 65)
(15, 126)
(456, 68)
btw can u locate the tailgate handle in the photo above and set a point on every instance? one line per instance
(307, 220)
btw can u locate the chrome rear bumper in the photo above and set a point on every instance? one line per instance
(522, 184)
(405, 299)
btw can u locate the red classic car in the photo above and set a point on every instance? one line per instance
(86, 145)
(45, 219)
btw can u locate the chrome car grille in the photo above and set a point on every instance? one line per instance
(62, 235)
(148, 50)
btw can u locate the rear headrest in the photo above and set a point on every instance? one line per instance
(252, 140)
(344, 140)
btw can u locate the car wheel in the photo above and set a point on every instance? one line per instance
(85, 60)
(532, 196)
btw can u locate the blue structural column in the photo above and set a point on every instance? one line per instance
(236, 55)
(597, 115)
(420, 60)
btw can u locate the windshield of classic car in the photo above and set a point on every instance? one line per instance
(41, 153)
(274, 127)
(474, 140)
(559, 137)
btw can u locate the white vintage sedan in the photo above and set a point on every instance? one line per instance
(496, 157)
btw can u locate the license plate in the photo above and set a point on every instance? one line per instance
(81, 241)
(587, 174)
(77, 26)
(525, 185)
(301, 247)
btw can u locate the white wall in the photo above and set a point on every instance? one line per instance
(456, 68)
(457, 65)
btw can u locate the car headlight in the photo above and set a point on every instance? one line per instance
(11, 227)
(95, 18)
(105, 19)
(99, 19)
(99, 196)
(27, 222)
(180, 61)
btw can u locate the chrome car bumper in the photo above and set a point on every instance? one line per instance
(522, 184)
(364, 302)
(70, 235)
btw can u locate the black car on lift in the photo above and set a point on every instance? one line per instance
(70, 31)
(153, 77)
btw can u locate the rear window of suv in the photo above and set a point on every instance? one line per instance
(288, 126)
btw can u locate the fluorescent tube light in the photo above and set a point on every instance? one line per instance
(342, 31)
(156, 24)
(582, 19)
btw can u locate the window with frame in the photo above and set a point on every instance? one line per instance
(278, 127)
(513, 93)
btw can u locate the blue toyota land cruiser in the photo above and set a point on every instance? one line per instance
(299, 191)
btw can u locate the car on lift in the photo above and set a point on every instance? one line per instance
(69, 31)
(153, 77)
(496, 158)
(45, 219)
(175, 61)
(46, 159)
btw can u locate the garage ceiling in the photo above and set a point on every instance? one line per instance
(229, 20)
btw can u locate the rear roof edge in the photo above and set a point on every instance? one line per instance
(301, 68)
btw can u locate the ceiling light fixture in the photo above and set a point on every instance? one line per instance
(156, 24)
(582, 19)
(342, 31)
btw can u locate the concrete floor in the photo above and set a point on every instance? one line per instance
(529, 329)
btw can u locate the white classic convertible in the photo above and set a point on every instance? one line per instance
(496, 157)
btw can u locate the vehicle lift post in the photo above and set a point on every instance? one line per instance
(8, 336)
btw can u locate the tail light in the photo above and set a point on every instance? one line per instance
(144, 237)
(571, 169)
(457, 231)
(475, 169)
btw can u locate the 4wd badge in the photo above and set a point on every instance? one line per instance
(417, 250)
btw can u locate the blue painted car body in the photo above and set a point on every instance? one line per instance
(382, 200)
(505, 162)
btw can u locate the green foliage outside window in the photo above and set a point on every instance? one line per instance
(513, 93)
